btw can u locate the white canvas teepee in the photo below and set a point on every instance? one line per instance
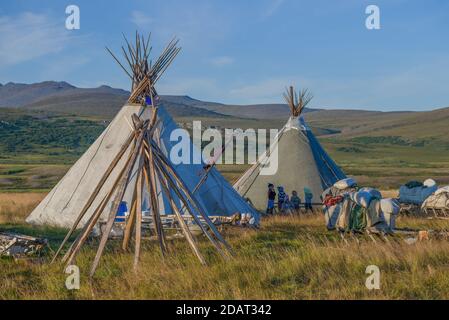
(61, 207)
(302, 161)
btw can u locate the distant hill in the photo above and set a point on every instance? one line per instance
(254, 111)
(19, 94)
(104, 102)
(425, 125)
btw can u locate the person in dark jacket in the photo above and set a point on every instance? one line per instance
(271, 197)
(295, 201)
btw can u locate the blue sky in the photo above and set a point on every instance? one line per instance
(244, 51)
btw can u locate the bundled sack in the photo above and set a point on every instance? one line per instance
(364, 196)
(344, 214)
(364, 209)
(374, 192)
(429, 183)
(345, 184)
(376, 218)
(332, 203)
(355, 217)
(390, 210)
(331, 215)
(415, 192)
(438, 200)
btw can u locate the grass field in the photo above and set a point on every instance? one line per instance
(288, 258)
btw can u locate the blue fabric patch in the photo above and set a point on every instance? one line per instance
(148, 100)
(121, 212)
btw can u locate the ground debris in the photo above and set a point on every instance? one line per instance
(18, 245)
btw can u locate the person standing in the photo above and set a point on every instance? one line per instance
(281, 198)
(295, 201)
(271, 198)
(308, 196)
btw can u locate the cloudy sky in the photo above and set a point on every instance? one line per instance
(244, 51)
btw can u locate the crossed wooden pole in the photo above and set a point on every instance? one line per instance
(151, 168)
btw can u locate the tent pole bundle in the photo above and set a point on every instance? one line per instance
(146, 168)
(297, 102)
(142, 72)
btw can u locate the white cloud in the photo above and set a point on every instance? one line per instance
(221, 61)
(140, 19)
(29, 36)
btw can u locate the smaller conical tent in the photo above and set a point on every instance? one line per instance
(301, 160)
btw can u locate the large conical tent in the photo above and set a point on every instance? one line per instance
(129, 162)
(62, 205)
(301, 160)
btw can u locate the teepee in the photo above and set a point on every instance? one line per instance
(301, 160)
(130, 161)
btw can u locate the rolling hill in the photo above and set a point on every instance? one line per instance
(103, 102)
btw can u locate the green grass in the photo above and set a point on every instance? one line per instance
(38, 148)
(289, 258)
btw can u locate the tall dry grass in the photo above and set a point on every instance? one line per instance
(15, 207)
(288, 258)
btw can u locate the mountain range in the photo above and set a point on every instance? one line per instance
(104, 102)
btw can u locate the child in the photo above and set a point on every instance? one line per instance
(288, 206)
(271, 198)
(308, 195)
(281, 198)
(295, 200)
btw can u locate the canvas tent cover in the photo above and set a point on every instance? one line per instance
(62, 205)
(302, 163)
(438, 200)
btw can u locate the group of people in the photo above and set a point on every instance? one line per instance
(286, 204)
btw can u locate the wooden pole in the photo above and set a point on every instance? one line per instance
(158, 229)
(185, 229)
(69, 256)
(118, 198)
(129, 225)
(162, 159)
(94, 194)
(181, 196)
(138, 223)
